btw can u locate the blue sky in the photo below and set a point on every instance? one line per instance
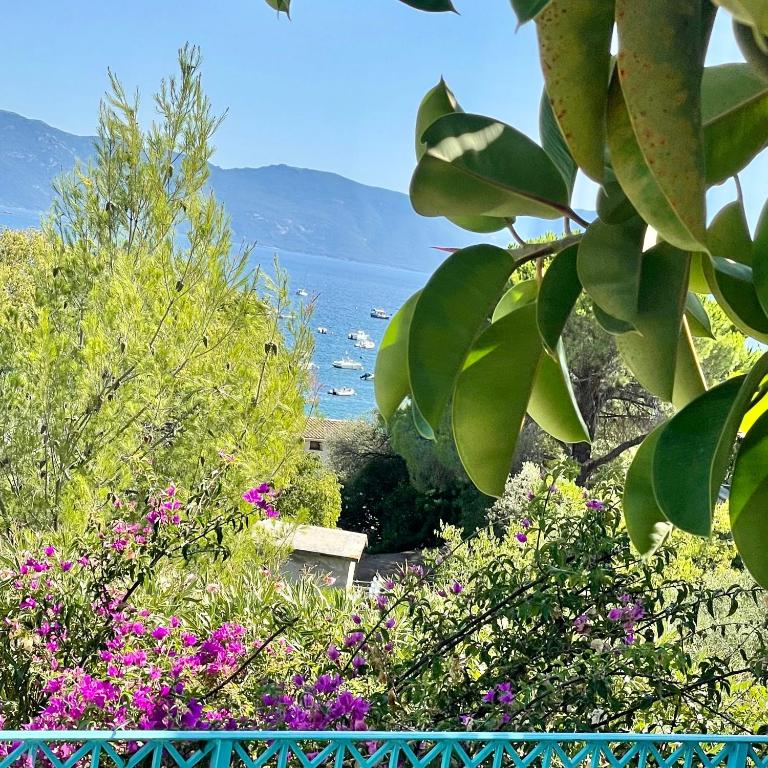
(335, 89)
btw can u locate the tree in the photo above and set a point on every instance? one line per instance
(136, 350)
(655, 129)
(314, 496)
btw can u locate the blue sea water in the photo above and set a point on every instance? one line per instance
(344, 292)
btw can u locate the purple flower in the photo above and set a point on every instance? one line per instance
(333, 653)
(358, 661)
(49, 551)
(66, 565)
(521, 537)
(526, 523)
(353, 638)
(456, 588)
(490, 696)
(595, 504)
(389, 623)
(160, 632)
(615, 614)
(356, 619)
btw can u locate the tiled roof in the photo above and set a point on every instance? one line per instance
(326, 429)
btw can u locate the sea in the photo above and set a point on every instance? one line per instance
(343, 293)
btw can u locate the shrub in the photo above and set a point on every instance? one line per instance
(314, 495)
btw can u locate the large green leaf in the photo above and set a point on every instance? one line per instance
(281, 6)
(753, 44)
(651, 354)
(527, 9)
(728, 235)
(689, 377)
(747, 502)
(454, 306)
(491, 397)
(609, 264)
(560, 288)
(421, 423)
(613, 206)
(654, 118)
(476, 166)
(438, 101)
(733, 287)
(575, 49)
(697, 317)
(552, 404)
(553, 142)
(390, 383)
(760, 259)
(694, 450)
(520, 293)
(611, 324)
(433, 6)
(752, 12)
(734, 105)
(646, 525)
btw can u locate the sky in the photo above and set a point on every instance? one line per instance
(336, 88)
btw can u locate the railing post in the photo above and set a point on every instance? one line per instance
(221, 754)
(737, 757)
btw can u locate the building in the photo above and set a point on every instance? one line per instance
(329, 554)
(318, 434)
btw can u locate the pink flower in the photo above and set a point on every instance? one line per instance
(49, 551)
(66, 565)
(160, 632)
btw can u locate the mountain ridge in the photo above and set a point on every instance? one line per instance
(276, 206)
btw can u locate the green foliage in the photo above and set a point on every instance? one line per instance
(314, 495)
(136, 349)
(656, 128)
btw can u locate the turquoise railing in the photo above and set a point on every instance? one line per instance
(315, 749)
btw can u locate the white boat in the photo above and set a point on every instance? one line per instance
(357, 335)
(367, 377)
(348, 363)
(380, 314)
(365, 344)
(322, 330)
(342, 391)
(301, 292)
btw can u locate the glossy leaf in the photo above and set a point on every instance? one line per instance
(760, 259)
(521, 293)
(690, 381)
(613, 206)
(654, 120)
(734, 104)
(491, 397)
(281, 6)
(751, 12)
(697, 280)
(609, 264)
(432, 6)
(697, 317)
(454, 306)
(420, 423)
(574, 44)
(700, 438)
(646, 525)
(560, 288)
(733, 287)
(728, 235)
(390, 383)
(476, 166)
(553, 142)
(527, 9)
(692, 457)
(651, 354)
(610, 324)
(753, 46)
(552, 404)
(747, 501)
(437, 102)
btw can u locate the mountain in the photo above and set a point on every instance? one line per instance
(276, 206)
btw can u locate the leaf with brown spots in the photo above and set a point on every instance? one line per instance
(660, 64)
(574, 44)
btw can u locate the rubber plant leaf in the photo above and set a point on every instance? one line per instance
(528, 9)
(697, 317)
(654, 116)
(452, 309)
(476, 166)
(390, 381)
(760, 259)
(734, 106)
(746, 503)
(646, 525)
(609, 263)
(700, 438)
(560, 288)
(751, 12)
(575, 50)
(431, 6)
(554, 145)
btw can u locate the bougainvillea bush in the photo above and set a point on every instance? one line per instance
(543, 620)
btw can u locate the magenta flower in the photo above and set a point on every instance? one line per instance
(521, 537)
(160, 632)
(595, 504)
(333, 653)
(456, 588)
(49, 551)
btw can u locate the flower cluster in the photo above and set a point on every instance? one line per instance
(627, 613)
(260, 498)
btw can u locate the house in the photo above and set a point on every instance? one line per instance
(318, 434)
(330, 554)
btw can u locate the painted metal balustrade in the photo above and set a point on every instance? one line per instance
(286, 749)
